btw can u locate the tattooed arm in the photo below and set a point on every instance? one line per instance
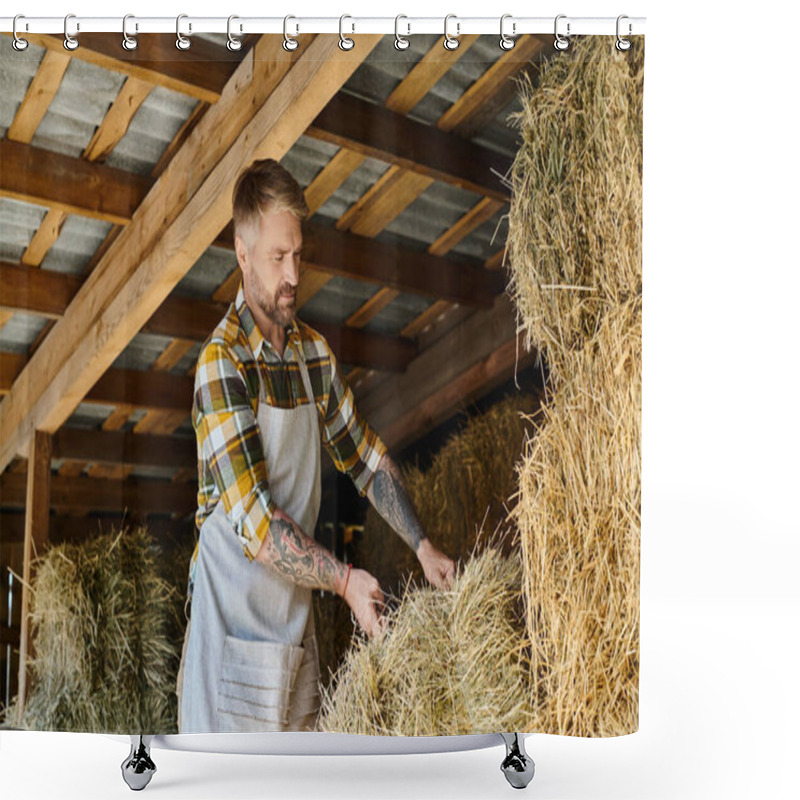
(388, 495)
(298, 557)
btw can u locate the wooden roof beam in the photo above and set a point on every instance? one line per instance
(179, 218)
(396, 139)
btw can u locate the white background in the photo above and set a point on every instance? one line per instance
(719, 598)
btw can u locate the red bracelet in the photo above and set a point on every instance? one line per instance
(349, 567)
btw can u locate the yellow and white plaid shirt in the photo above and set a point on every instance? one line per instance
(231, 465)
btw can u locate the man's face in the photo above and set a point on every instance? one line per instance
(271, 268)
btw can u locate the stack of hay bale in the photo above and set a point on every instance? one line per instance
(574, 248)
(108, 626)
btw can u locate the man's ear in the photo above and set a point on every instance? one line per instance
(241, 251)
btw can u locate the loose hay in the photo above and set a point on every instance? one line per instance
(575, 262)
(451, 662)
(466, 487)
(105, 661)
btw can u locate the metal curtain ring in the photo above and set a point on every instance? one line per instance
(561, 42)
(345, 43)
(506, 42)
(450, 42)
(400, 42)
(128, 42)
(18, 44)
(623, 44)
(289, 43)
(233, 44)
(70, 42)
(182, 43)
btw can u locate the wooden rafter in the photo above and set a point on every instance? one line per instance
(117, 120)
(40, 94)
(177, 221)
(474, 356)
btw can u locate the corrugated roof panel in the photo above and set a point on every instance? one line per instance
(76, 244)
(357, 183)
(152, 128)
(19, 333)
(486, 239)
(208, 272)
(306, 157)
(385, 67)
(19, 221)
(397, 314)
(79, 106)
(438, 208)
(16, 73)
(141, 352)
(337, 300)
(188, 361)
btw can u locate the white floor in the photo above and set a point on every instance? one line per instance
(720, 695)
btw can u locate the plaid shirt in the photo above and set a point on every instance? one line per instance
(231, 465)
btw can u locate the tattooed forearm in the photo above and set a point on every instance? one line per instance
(298, 557)
(388, 494)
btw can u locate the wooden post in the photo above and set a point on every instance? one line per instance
(37, 512)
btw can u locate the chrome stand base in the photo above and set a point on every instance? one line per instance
(517, 766)
(138, 768)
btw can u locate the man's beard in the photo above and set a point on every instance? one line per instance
(279, 315)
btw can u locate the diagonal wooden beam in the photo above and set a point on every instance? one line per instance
(176, 222)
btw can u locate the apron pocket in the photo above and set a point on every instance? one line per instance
(306, 704)
(256, 685)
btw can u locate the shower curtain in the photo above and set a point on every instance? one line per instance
(363, 460)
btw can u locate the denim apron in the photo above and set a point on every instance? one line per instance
(250, 653)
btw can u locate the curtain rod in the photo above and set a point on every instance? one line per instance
(294, 25)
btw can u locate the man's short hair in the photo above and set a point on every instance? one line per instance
(265, 187)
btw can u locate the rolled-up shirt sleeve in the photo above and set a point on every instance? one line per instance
(230, 448)
(354, 446)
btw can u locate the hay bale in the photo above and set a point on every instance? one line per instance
(467, 486)
(576, 278)
(574, 242)
(104, 660)
(579, 519)
(451, 662)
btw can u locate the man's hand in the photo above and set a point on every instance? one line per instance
(363, 594)
(438, 568)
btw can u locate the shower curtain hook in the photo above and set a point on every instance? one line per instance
(345, 43)
(18, 44)
(129, 42)
(70, 42)
(623, 44)
(506, 42)
(451, 42)
(561, 42)
(182, 43)
(289, 43)
(233, 44)
(400, 42)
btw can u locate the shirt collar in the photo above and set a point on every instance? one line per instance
(255, 338)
